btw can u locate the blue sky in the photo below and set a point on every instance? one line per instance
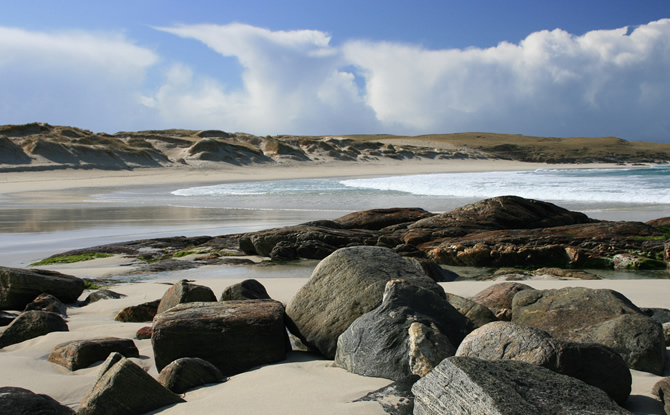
(569, 68)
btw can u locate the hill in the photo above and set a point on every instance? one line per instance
(39, 146)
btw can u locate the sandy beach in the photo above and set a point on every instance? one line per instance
(304, 383)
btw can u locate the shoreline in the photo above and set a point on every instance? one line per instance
(35, 186)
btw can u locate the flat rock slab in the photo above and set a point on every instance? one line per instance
(464, 385)
(232, 335)
(19, 287)
(78, 354)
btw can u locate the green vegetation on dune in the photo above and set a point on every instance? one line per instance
(70, 259)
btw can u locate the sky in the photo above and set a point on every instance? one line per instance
(553, 69)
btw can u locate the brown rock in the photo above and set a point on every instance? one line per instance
(79, 354)
(187, 373)
(31, 324)
(498, 298)
(18, 287)
(232, 335)
(184, 292)
(138, 313)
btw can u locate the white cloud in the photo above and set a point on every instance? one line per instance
(76, 78)
(553, 83)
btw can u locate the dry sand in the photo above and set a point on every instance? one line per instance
(304, 383)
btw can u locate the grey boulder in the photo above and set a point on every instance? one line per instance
(412, 331)
(31, 324)
(187, 373)
(78, 354)
(18, 287)
(184, 292)
(344, 286)
(466, 385)
(19, 401)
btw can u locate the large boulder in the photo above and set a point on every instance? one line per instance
(187, 373)
(234, 336)
(344, 286)
(592, 363)
(246, 290)
(31, 324)
(466, 385)
(78, 354)
(589, 315)
(19, 401)
(498, 298)
(412, 331)
(123, 388)
(138, 313)
(184, 292)
(19, 287)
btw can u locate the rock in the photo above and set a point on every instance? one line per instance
(662, 391)
(284, 251)
(314, 249)
(602, 316)
(466, 385)
(262, 242)
(187, 373)
(18, 287)
(31, 324)
(138, 313)
(344, 286)
(234, 336)
(102, 295)
(6, 318)
(591, 363)
(376, 219)
(659, 315)
(584, 245)
(498, 298)
(396, 398)
(19, 401)
(47, 302)
(477, 313)
(123, 388)
(246, 290)
(503, 212)
(412, 331)
(666, 333)
(184, 292)
(144, 333)
(433, 270)
(637, 338)
(79, 354)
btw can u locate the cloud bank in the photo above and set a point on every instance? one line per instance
(553, 83)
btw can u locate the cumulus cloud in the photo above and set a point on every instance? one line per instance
(76, 78)
(552, 83)
(605, 82)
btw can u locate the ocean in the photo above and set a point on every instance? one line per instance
(31, 232)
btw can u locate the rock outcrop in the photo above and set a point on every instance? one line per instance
(19, 287)
(465, 385)
(498, 298)
(234, 336)
(343, 287)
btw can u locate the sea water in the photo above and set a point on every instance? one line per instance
(29, 233)
(631, 193)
